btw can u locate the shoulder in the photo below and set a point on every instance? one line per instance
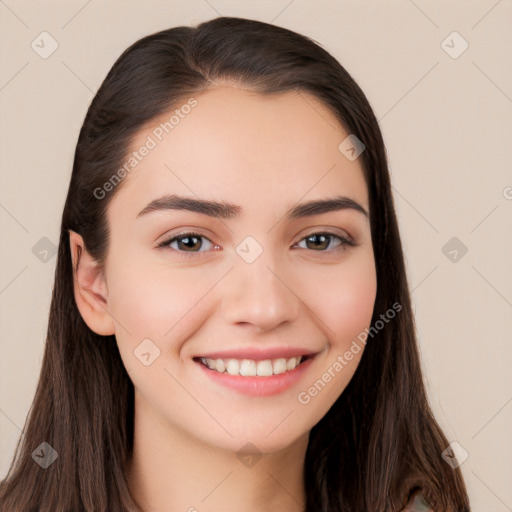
(417, 503)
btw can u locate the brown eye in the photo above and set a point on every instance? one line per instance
(187, 243)
(320, 242)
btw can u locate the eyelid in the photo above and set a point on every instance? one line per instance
(330, 230)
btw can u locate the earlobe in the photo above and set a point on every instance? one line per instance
(90, 288)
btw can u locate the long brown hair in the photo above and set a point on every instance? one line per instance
(377, 444)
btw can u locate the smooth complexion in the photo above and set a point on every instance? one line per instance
(194, 297)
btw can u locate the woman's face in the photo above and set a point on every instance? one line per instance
(255, 285)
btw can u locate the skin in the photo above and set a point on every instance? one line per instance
(264, 154)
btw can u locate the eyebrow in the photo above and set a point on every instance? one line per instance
(225, 210)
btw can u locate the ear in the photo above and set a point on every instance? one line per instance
(90, 288)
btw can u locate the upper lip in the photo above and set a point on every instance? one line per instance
(259, 354)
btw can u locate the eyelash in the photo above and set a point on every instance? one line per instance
(343, 242)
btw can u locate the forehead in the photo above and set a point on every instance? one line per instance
(238, 145)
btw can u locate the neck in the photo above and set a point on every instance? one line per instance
(172, 471)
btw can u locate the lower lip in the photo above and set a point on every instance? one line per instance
(259, 386)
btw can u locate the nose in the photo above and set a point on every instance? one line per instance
(260, 295)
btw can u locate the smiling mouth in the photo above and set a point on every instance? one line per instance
(251, 367)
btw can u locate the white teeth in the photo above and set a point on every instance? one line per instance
(251, 368)
(279, 366)
(291, 363)
(248, 368)
(233, 367)
(264, 368)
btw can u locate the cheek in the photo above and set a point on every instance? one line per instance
(347, 300)
(150, 302)
(155, 302)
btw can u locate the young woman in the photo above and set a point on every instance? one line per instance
(231, 326)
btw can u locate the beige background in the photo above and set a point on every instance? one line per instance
(447, 124)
